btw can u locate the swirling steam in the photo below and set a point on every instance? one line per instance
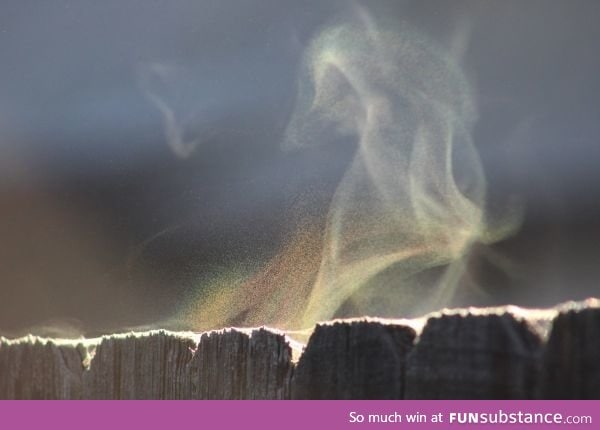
(156, 81)
(412, 198)
(411, 203)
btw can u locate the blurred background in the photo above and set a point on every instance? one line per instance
(140, 151)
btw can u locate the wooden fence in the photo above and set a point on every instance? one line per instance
(503, 353)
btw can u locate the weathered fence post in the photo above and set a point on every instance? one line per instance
(503, 353)
(473, 357)
(353, 360)
(571, 361)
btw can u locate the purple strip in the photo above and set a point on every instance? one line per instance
(288, 415)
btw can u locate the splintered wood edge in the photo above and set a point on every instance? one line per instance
(539, 320)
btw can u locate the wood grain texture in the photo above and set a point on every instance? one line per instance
(233, 365)
(353, 360)
(32, 368)
(571, 361)
(498, 353)
(152, 366)
(473, 357)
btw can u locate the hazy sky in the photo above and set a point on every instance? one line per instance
(105, 224)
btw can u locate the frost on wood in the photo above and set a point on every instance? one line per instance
(233, 365)
(498, 353)
(473, 357)
(229, 364)
(353, 360)
(150, 366)
(32, 368)
(571, 362)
